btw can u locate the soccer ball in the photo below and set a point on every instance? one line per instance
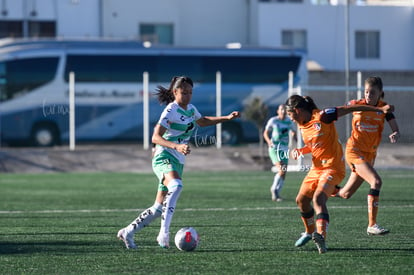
(186, 239)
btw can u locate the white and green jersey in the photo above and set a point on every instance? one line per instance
(280, 131)
(180, 125)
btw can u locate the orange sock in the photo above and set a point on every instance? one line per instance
(322, 227)
(309, 225)
(322, 222)
(308, 221)
(373, 202)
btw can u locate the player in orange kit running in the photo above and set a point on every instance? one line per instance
(328, 166)
(361, 150)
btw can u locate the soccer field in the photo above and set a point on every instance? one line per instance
(67, 224)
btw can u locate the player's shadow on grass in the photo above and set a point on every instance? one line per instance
(55, 247)
(27, 163)
(408, 251)
(379, 249)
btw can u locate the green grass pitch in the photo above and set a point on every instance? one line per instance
(67, 224)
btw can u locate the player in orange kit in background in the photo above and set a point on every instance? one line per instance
(328, 166)
(361, 150)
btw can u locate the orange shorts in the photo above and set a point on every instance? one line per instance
(354, 156)
(324, 180)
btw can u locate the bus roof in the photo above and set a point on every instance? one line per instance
(133, 46)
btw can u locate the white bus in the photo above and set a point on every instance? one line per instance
(34, 87)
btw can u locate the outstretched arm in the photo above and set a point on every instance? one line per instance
(213, 120)
(344, 110)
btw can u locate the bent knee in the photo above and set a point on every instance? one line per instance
(377, 184)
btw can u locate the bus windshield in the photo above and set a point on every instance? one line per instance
(19, 77)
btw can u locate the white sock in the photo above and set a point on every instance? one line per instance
(275, 183)
(175, 187)
(279, 186)
(145, 218)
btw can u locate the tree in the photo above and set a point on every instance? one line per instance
(256, 111)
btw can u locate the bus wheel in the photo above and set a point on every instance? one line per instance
(45, 135)
(231, 134)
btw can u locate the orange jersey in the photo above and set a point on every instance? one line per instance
(320, 136)
(367, 128)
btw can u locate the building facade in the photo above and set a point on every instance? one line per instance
(364, 35)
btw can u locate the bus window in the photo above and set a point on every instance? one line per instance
(129, 68)
(108, 68)
(18, 77)
(168, 66)
(202, 69)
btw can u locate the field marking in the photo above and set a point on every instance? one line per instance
(398, 176)
(184, 209)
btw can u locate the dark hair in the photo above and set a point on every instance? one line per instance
(375, 81)
(302, 102)
(166, 96)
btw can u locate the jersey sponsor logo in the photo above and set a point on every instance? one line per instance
(330, 110)
(317, 126)
(364, 127)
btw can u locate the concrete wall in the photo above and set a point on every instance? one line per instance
(77, 18)
(218, 22)
(403, 102)
(389, 78)
(325, 26)
(196, 22)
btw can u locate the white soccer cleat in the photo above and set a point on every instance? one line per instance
(304, 239)
(163, 240)
(274, 194)
(128, 239)
(319, 240)
(377, 230)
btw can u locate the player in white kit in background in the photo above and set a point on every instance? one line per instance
(276, 135)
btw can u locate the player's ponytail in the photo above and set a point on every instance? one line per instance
(300, 102)
(166, 96)
(310, 103)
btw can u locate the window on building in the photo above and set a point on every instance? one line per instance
(11, 29)
(157, 33)
(294, 39)
(42, 29)
(35, 29)
(367, 44)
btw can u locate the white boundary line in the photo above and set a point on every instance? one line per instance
(5, 212)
